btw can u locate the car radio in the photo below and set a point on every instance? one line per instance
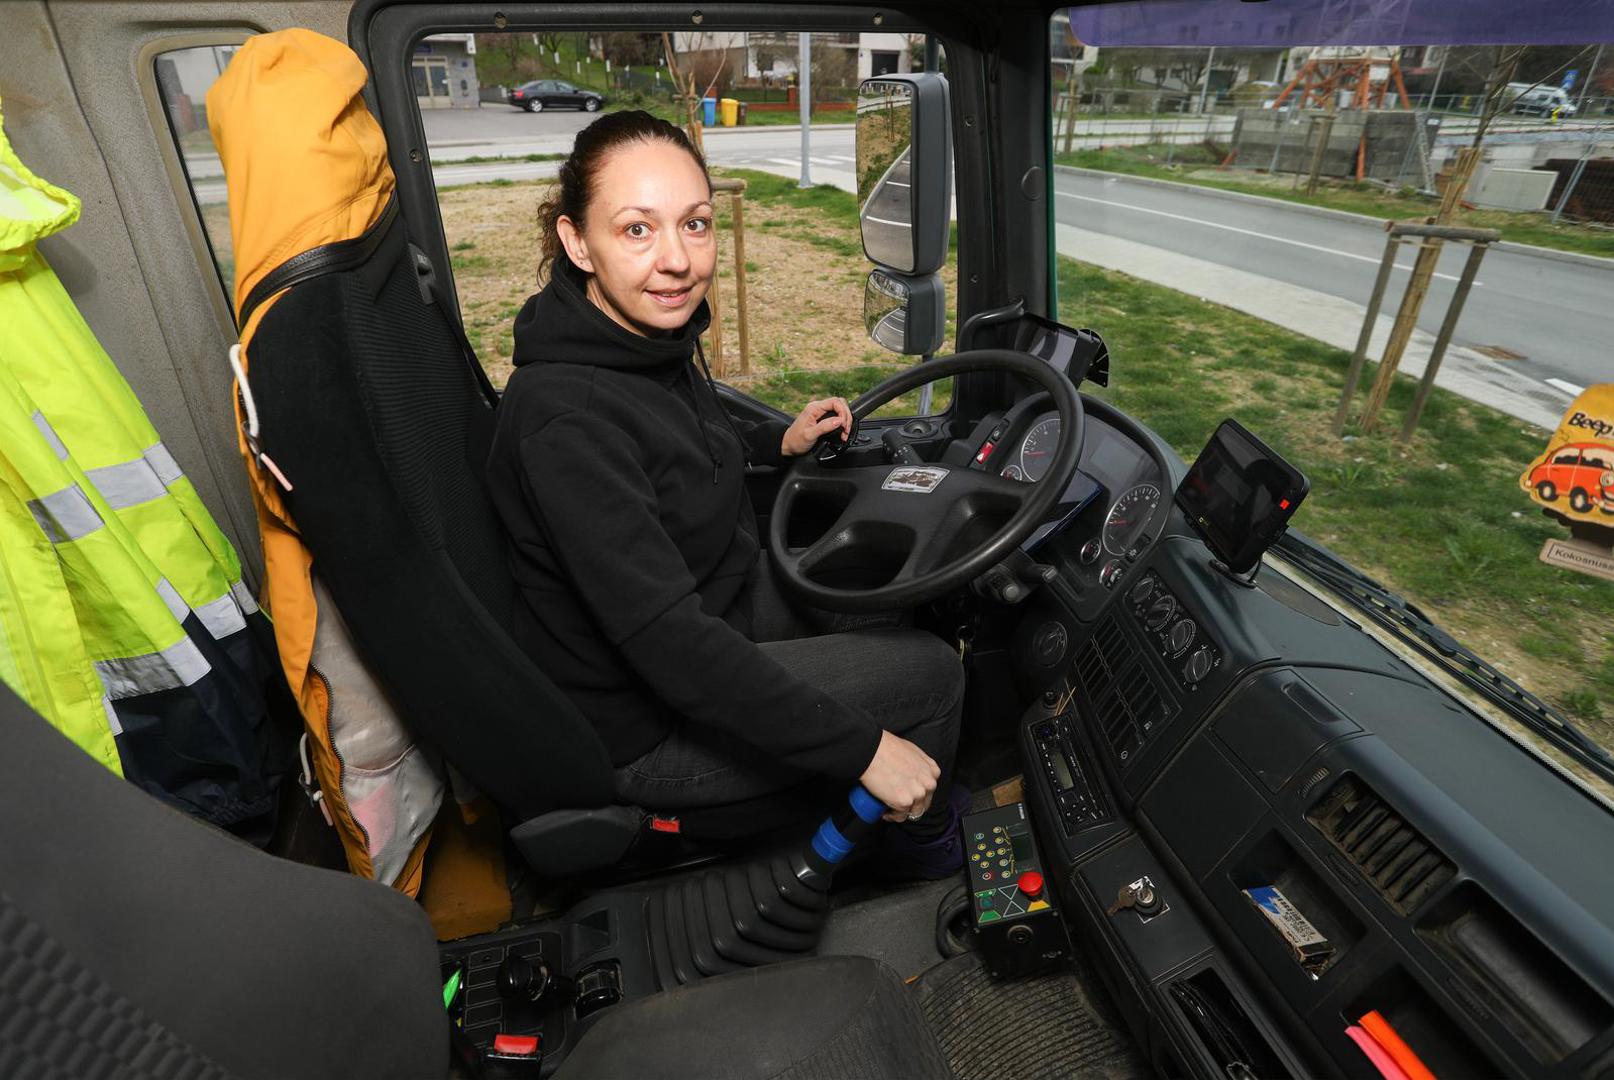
(1078, 802)
(1018, 929)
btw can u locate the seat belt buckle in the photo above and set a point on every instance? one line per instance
(665, 824)
(513, 1057)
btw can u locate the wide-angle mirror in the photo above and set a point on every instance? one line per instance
(903, 181)
(904, 314)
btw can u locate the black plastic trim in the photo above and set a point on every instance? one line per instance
(316, 262)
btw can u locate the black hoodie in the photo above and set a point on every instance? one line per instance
(620, 481)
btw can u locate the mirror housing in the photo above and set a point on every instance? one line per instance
(904, 180)
(905, 314)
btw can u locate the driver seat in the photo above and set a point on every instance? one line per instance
(371, 401)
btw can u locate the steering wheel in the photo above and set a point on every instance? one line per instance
(930, 527)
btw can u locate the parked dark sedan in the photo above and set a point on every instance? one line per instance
(554, 93)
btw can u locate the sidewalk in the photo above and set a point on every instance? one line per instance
(1326, 318)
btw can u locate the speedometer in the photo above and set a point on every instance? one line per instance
(1129, 518)
(1037, 449)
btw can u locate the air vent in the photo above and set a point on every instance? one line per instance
(1120, 692)
(1395, 859)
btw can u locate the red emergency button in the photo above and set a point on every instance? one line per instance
(1030, 884)
(986, 452)
(516, 1045)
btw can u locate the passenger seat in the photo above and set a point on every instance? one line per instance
(137, 942)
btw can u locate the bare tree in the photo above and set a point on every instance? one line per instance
(549, 44)
(833, 67)
(632, 50)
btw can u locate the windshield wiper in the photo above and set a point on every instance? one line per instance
(1410, 623)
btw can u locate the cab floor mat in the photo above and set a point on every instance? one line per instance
(1039, 1028)
(896, 925)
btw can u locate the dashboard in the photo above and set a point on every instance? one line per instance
(1220, 738)
(1117, 502)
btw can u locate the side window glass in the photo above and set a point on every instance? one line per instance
(795, 254)
(184, 77)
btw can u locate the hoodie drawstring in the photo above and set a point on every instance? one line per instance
(700, 421)
(717, 403)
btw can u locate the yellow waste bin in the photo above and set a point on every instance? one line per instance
(730, 110)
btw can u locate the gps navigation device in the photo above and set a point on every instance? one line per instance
(1239, 496)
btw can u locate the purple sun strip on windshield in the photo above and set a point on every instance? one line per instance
(1282, 23)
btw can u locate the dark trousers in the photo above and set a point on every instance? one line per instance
(908, 680)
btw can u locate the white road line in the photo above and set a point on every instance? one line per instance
(796, 162)
(843, 158)
(1245, 232)
(1567, 387)
(824, 161)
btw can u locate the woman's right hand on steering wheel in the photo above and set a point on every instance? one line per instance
(902, 776)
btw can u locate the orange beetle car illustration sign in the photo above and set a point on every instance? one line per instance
(1573, 478)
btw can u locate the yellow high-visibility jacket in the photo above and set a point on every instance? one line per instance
(123, 619)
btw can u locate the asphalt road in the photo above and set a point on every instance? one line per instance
(1547, 321)
(1554, 316)
(493, 130)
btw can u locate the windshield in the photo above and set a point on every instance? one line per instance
(1224, 175)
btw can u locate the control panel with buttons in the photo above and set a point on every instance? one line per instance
(1017, 926)
(1176, 634)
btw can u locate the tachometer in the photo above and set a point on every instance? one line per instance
(1129, 518)
(1037, 448)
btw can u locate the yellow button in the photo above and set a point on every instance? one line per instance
(1037, 905)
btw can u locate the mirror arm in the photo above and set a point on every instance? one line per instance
(1014, 309)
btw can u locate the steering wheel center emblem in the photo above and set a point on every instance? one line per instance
(919, 479)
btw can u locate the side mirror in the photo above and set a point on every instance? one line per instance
(905, 314)
(904, 184)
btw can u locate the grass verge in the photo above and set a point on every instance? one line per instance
(1199, 165)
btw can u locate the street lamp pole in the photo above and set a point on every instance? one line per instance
(1445, 51)
(804, 99)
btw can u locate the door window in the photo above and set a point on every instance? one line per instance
(184, 76)
(803, 265)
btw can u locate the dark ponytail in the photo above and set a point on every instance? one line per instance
(574, 186)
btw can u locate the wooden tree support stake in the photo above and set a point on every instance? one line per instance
(734, 188)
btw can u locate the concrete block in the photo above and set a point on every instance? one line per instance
(1515, 189)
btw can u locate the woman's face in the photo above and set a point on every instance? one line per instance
(647, 242)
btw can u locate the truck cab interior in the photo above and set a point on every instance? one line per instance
(1232, 803)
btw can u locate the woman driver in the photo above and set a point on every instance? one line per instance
(620, 479)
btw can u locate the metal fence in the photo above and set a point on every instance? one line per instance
(1171, 121)
(1391, 146)
(1584, 191)
(1588, 107)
